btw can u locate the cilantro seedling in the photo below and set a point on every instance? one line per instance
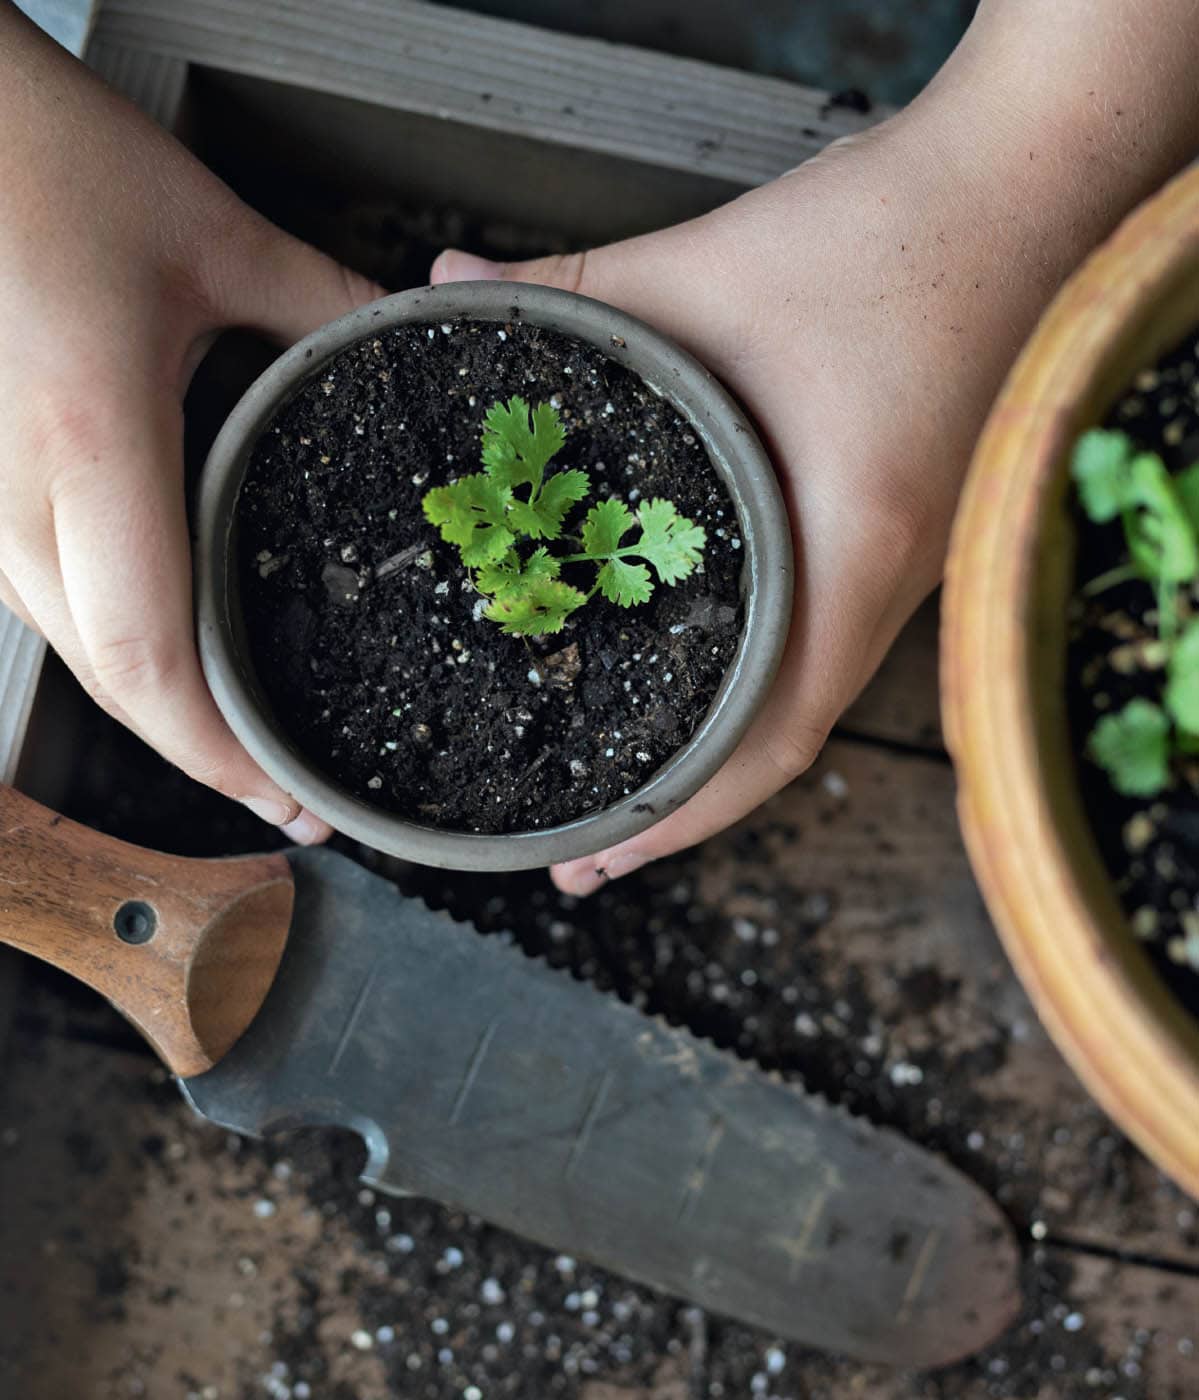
(1100, 470)
(1133, 747)
(1181, 695)
(1159, 515)
(493, 515)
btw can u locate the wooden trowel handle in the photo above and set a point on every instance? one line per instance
(185, 949)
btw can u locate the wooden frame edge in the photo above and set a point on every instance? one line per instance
(616, 99)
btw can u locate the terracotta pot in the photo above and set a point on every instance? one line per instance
(1003, 682)
(767, 580)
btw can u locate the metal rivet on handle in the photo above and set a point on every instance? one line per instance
(135, 921)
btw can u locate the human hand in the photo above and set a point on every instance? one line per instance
(121, 258)
(865, 308)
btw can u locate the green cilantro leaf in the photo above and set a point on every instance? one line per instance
(1161, 539)
(509, 572)
(470, 513)
(488, 542)
(517, 445)
(541, 516)
(668, 541)
(499, 573)
(671, 543)
(606, 524)
(541, 564)
(1132, 746)
(624, 583)
(1186, 483)
(538, 607)
(1181, 695)
(1100, 468)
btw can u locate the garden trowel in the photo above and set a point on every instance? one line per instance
(302, 989)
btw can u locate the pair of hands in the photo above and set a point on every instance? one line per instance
(864, 307)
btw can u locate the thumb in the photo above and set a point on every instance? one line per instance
(285, 288)
(569, 271)
(649, 277)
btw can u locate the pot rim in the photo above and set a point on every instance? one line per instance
(737, 456)
(1004, 694)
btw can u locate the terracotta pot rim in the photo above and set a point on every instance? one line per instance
(1029, 841)
(736, 455)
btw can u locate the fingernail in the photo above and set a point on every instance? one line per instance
(268, 809)
(456, 266)
(584, 877)
(581, 878)
(307, 830)
(624, 864)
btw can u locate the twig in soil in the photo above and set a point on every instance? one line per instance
(531, 769)
(398, 561)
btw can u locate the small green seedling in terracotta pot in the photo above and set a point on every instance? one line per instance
(1160, 518)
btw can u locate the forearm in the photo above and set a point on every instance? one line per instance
(1080, 107)
(1051, 120)
(1110, 74)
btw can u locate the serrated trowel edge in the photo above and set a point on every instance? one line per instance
(480, 1076)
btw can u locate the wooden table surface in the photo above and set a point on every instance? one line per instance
(839, 935)
(836, 935)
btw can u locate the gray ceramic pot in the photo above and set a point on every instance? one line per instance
(735, 453)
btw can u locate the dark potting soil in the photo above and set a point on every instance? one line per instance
(1150, 846)
(368, 636)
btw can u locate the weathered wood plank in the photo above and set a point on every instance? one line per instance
(838, 935)
(464, 67)
(139, 1246)
(901, 703)
(884, 985)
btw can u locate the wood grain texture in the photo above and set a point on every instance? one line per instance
(901, 704)
(1009, 579)
(907, 963)
(670, 112)
(221, 927)
(110, 1183)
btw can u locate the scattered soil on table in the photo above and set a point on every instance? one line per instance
(722, 941)
(1150, 846)
(368, 636)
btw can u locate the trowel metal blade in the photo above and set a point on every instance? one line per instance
(487, 1080)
